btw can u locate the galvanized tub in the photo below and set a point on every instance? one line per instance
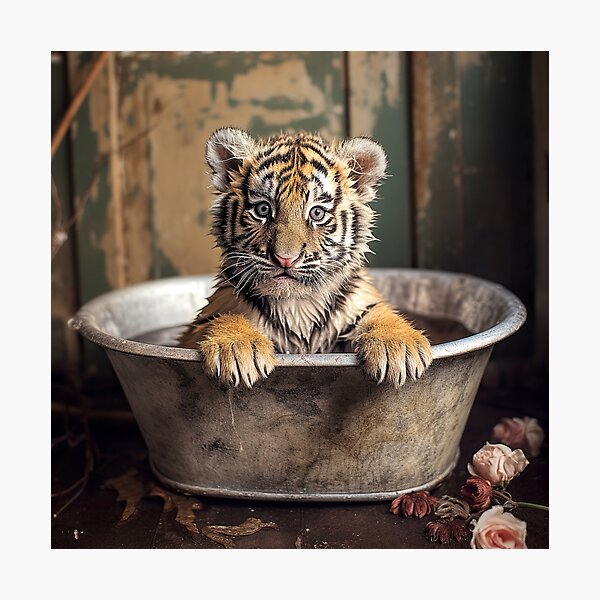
(316, 429)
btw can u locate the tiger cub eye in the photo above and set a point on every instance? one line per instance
(317, 214)
(263, 209)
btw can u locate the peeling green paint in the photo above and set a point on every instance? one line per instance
(281, 103)
(210, 66)
(311, 124)
(133, 192)
(440, 216)
(498, 179)
(478, 216)
(393, 228)
(378, 108)
(64, 343)
(203, 217)
(323, 67)
(163, 267)
(93, 221)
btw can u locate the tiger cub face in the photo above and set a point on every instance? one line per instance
(292, 217)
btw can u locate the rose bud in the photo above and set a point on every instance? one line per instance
(438, 531)
(497, 463)
(459, 530)
(400, 505)
(452, 508)
(422, 506)
(442, 530)
(477, 492)
(498, 529)
(525, 433)
(416, 504)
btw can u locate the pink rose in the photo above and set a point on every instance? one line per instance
(497, 529)
(497, 463)
(523, 433)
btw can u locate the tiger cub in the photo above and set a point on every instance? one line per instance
(293, 221)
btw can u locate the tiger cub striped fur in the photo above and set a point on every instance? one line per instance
(293, 221)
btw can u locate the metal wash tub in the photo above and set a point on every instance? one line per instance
(316, 429)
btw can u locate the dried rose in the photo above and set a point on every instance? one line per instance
(452, 508)
(498, 529)
(497, 463)
(477, 492)
(417, 504)
(443, 530)
(525, 433)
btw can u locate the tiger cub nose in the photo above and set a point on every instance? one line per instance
(287, 261)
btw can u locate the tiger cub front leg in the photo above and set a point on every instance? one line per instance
(389, 348)
(235, 351)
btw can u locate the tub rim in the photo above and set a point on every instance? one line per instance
(515, 315)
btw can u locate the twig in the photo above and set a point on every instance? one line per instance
(60, 236)
(69, 437)
(510, 503)
(69, 489)
(81, 483)
(57, 204)
(533, 505)
(80, 96)
(96, 414)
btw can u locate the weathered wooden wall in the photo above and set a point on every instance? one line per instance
(474, 210)
(457, 127)
(64, 287)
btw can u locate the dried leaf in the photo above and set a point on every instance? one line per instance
(131, 487)
(221, 533)
(185, 505)
(218, 538)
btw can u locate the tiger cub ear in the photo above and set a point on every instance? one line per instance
(226, 149)
(366, 162)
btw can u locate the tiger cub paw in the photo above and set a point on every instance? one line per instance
(393, 352)
(235, 352)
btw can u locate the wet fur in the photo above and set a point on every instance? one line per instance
(328, 303)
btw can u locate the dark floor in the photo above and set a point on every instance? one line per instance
(95, 518)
